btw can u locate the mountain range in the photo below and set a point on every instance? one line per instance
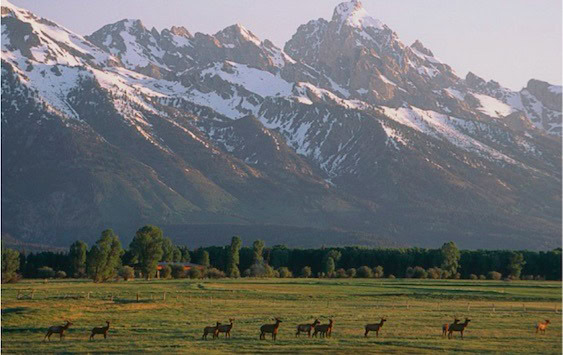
(346, 136)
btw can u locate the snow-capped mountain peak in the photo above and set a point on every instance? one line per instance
(352, 13)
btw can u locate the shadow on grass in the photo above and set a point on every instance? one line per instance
(15, 310)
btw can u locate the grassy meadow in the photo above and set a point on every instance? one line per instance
(415, 311)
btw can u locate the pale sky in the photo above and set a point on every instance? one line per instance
(510, 41)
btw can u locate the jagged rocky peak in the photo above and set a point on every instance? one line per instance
(236, 34)
(549, 95)
(420, 47)
(180, 31)
(352, 13)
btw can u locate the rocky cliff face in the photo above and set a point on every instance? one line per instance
(346, 134)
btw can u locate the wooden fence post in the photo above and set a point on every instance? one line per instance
(137, 296)
(493, 307)
(32, 292)
(164, 296)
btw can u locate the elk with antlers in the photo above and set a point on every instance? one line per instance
(446, 326)
(458, 327)
(270, 328)
(100, 330)
(306, 328)
(375, 327)
(226, 328)
(324, 329)
(542, 326)
(57, 329)
(213, 330)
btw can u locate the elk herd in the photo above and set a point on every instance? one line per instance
(322, 330)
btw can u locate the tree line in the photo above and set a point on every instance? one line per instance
(107, 260)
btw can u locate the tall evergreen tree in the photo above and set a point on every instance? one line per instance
(77, 258)
(234, 258)
(146, 247)
(104, 257)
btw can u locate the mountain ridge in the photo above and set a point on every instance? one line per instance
(345, 129)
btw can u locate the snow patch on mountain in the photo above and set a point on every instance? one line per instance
(493, 107)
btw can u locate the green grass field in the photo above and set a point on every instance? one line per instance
(415, 311)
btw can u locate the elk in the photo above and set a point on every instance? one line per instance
(324, 329)
(100, 330)
(213, 329)
(446, 326)
(57, 329)
(374, 327)
(542, 326)
(458, 327)
(226, 328)
(270, 328)
(306, 328)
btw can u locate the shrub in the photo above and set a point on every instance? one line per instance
(434, 273)
(341, 273)
(214, 273)
(177, 271)
(527, 277)
(482, 277)
(166, 272)
(259, 270)
(410, 272)
(493, 275)
(45, 272)
(127, 273)
(378, 272)
(419, 273)
(364, 272)
(539, 278)
(194, 273)
(306, 272)
(351, 272)
(60, 274)
(473, 277)
(391, 276)
(285, 272)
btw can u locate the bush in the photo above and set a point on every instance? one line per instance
(306, 272)
(364, 272)
(351, 272)
(260, 270)
(409, 273)
(127, 273)
(341, 273)
(177, 271)
(434, 273)
(194, 273)
(214, 273)
(482, 277)
(527, 277)
(539, 278)
(473, 277)
(166, 272)
(45, 272)
(391, 276)
(419, 273)
(60, 274)
(378, 272)
(285, 273)
(493, 275)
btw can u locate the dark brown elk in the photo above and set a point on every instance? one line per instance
(226, 328)
(459, 327)
(376, 327)
(306, 328)
(213, 330)
(542, 326)
(100, 330)
(270, 328)
(446, 326)
(324, 329)
(57, 329)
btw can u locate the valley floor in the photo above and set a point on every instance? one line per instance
(170, 315)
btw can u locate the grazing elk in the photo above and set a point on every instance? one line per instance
(213, 330)
(306, 328)
(226, 328)
(458, 327)
(542, 326)
(324, 329)
(374, 327)
(446, 326)
(100, 330)
(57, 329)
(270, 328)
